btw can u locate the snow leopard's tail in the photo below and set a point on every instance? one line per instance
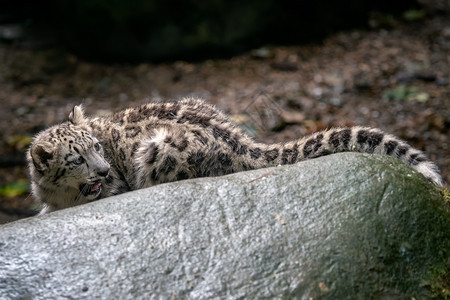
(353, 139)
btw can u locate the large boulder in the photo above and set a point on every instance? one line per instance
(342, 226)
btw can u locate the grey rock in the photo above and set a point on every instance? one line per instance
(342, 226)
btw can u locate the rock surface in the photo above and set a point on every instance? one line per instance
(345, 225)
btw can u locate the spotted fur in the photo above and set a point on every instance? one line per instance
(162, 142)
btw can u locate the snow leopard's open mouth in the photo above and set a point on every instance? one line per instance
(90, 189)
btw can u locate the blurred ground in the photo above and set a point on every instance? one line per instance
(395, 77)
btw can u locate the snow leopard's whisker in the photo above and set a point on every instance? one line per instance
(26, 199)
(82, 192)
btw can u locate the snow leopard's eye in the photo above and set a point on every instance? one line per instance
(79, 160)
(97, 146)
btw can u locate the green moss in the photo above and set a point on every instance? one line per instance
(439, 283)
(446, 194)
(439, 287)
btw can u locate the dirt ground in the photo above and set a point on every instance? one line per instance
(396, 78)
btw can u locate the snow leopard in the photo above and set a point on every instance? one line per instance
(85, 159)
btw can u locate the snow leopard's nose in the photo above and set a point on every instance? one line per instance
(103, 171)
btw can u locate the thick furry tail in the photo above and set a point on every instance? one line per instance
(358, 139)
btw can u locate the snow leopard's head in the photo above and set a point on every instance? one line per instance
(67, 164)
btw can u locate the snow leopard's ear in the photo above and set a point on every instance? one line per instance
(41, 153)
(77, 117)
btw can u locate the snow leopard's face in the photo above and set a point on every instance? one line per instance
(67, 157)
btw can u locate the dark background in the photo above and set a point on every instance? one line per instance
(192, 29)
